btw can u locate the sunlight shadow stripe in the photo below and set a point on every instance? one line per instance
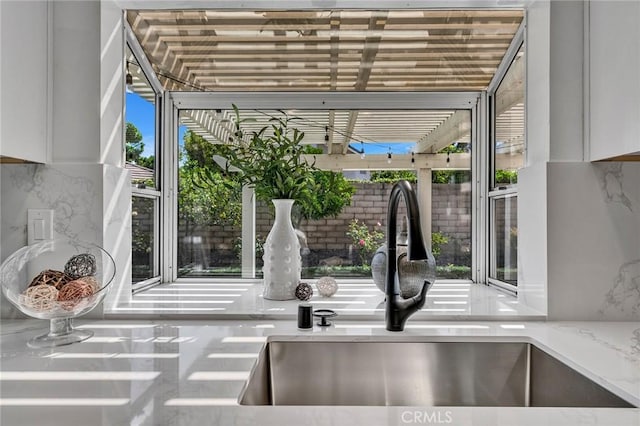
(219, 375)
(63, 402)
(199, 402)
(78, 375)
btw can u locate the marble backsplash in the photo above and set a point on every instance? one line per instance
(621, 192)
(594, 241)
(592, 227)
(91, 202)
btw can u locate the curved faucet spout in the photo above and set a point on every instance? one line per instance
(398, 309)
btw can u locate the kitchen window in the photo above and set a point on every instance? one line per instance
(507, 103)
(141, 159)
(379, 146)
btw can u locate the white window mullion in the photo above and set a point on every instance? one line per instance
(170, 190)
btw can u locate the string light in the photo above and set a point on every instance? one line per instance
(164, 74)
(354, 137)
(312, 123)
(128, 77)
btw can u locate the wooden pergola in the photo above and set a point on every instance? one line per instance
(339, 50)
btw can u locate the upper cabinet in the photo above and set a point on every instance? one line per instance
(614, 56)
(24, 80)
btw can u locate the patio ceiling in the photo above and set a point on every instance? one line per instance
(332, 50)
(395, 51)
(338, 130)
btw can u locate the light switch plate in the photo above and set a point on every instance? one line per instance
(39, 225)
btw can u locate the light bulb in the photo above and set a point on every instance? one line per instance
(128, 79)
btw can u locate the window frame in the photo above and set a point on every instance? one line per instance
(492, 267)
(156, 193)
(176, 101)
(497, 192)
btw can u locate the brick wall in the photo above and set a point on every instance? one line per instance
(451, 215)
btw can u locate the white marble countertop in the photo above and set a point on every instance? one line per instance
(356, 299)
(191, 373)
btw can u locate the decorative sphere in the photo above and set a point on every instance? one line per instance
(304, 291)
(73, 293)
(51, 277)
(91, 280)
(81, 265)
(41, 297)
(327, 286)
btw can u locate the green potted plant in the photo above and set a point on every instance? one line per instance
(272, 161)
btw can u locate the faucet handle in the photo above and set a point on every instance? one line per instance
(422, 296)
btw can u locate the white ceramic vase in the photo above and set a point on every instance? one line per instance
(282, 260)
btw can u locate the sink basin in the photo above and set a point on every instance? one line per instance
(403, 373)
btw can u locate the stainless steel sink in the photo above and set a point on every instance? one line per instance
(401, 373)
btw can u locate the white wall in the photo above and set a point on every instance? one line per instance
(84, 183)
(112, 85)
(579, 223)
(532, 237)
(76, 82)
(116, 180)
(537, 82)
(116, 229)
(554, 89)
(566, 81)
(615, 78)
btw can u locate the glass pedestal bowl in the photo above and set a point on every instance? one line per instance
(57, 280)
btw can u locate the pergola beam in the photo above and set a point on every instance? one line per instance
(225, 50)
(209, 126)
(369, 52)
(452, 129)
(152, 41)
(335, 51)
(330, 129)
(511, 89)
(351, 125)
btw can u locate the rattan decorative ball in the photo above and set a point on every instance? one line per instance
(41, 297)
(81, 265)
(72, 294)
(51, 277)
(92, 281)
(327, 286)
(304, 291)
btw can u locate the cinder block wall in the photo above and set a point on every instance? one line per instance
(451, 215)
